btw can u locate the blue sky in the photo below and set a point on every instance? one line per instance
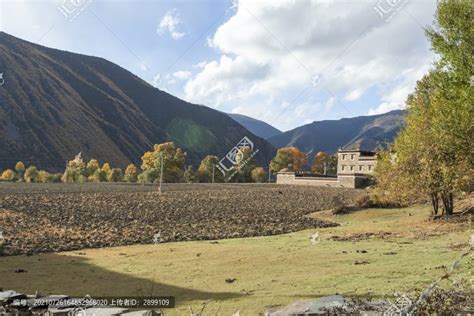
(287, 62)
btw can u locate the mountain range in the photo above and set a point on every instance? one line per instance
(54, 104)
(259, 128)
(364, 132)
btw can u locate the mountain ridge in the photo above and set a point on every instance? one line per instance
(56, 103)
(258, 127)
(365, 132)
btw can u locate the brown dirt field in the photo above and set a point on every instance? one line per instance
(52, 219)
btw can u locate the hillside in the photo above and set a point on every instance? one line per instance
(55, 103)
(363, 131)
(259, 128)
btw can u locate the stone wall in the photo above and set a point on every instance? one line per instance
(292, 179)
(342, 180)
(286, 177)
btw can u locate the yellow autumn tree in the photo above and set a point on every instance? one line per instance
(259, 175)
(131, 173)
(318, 163)
(20, 169)
(290, 158)
(172, 157)
(147, 160)
(8, 175)
(106, 167)
(324, 163)
(92, 166)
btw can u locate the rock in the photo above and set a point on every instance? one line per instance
(101, 311)
(310, 307)
(10, 295)
(54, 311)
(143, 313)
(360, 262)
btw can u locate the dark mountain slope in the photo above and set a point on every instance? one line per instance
(54, 104)
(363, 131)
(259, 128)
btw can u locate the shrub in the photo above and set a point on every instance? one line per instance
(92, 166)
(98, 176)
(55, 177)
(8, 175)
(130, 173)
(207, 167)
(20, 169)
(149, 176)
(189, 175)
(43, 176)
(82, 179)
(244, 166)
(115, 175)
(259, 175)
(70, 175)
(141, 177)
(31, 174)
(106, 167)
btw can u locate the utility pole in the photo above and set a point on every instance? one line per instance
(269, 174)
(213, 172)
(161, 173)
(325, 168)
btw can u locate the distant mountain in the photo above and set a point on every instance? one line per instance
(363, 131)
(259, 128)
(54, 104)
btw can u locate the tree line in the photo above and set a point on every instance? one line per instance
(433, 156)
(173, 159)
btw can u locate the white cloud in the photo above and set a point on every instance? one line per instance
(226, 80)
(270, 50)
(200, 65)
(395, 97)
(182, 75)
(354, 95)
(385, 107)
(156, 81)
(267, 53)
(170, 23)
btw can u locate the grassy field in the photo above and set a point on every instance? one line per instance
(273, 270)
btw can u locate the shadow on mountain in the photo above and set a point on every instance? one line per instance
(76, 276)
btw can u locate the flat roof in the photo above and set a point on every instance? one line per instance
(362, 152)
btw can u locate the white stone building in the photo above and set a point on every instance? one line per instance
(353, 170)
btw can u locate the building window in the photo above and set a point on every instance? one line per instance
(352, 157)
(370, 168)
(360, 168)
(352, 168)
(343, 157)
(342, 168)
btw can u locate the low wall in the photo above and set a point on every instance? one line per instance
(345, 181)
(291, 178)
(286, 177)
(317, 181)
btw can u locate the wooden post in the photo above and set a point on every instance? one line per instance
(161, 173)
